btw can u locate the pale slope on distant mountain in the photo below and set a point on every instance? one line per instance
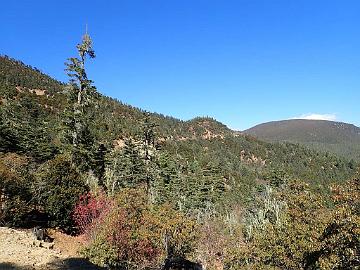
(336, 137)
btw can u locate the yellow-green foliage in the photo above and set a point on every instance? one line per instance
(15, 184)
(283, 244)
(309, 236)
(340, 242)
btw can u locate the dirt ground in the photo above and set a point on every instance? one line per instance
(19, 250)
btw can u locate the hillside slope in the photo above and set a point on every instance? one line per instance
(335, 137)
(192, 153)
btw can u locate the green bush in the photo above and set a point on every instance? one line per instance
(59, 186)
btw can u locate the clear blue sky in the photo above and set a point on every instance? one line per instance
(242, 62)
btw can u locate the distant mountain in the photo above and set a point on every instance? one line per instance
(335, 137)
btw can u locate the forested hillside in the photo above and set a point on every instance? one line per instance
(327, 136)
(128, 179)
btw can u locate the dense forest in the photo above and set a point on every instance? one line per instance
(143, 187)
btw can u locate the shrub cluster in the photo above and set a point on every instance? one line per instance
(308, 234)
(127, 231)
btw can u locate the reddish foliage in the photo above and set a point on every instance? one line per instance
(90, 210)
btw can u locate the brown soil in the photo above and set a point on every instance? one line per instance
(19, 250)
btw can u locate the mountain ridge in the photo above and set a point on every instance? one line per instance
(336, 137)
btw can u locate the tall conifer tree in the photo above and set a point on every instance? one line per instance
(149, 152)
(83, 97)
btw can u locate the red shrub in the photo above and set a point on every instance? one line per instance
(90, 210)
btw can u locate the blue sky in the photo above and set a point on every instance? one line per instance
(242, 62)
